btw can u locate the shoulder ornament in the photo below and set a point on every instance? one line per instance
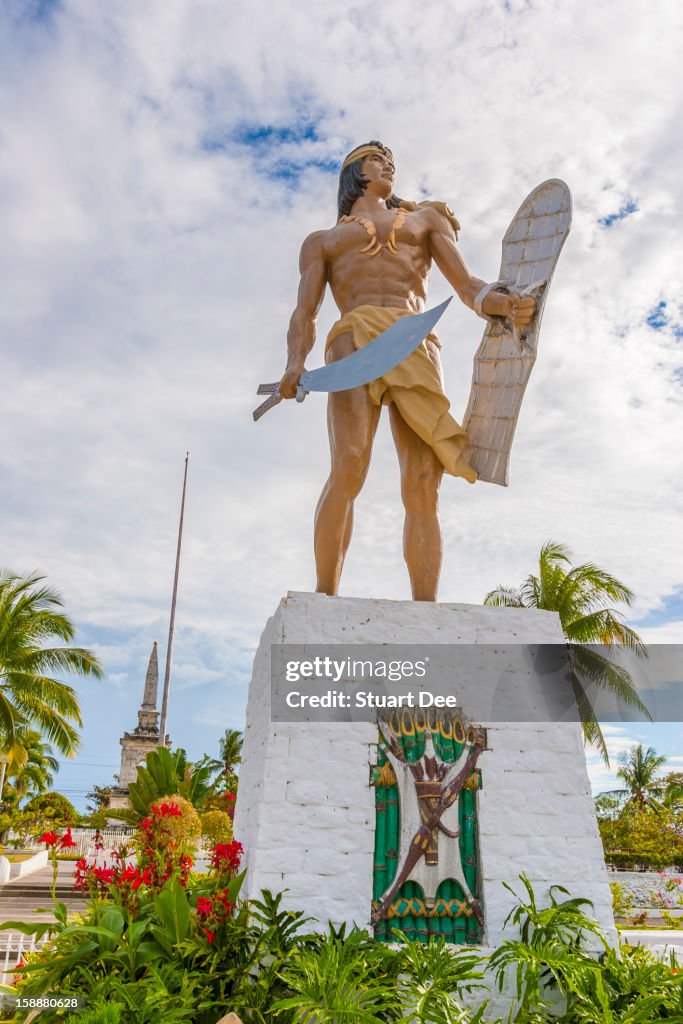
(442, 208)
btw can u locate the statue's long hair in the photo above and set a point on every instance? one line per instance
(352, 184)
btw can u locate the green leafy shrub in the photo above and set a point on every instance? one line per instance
(183, 828)
(163, 774)
(643, 836)
(184, 948)
(107, 1013)
(623, 899)
(216, 827)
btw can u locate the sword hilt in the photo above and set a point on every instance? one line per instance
(274, 398)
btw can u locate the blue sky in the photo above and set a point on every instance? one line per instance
(160, 165)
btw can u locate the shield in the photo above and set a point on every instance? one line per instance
(505, 357)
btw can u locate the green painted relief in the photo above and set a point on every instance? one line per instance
(435, 756)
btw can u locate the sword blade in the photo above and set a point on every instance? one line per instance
(376, 358)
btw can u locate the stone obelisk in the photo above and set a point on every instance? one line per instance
(136, 745)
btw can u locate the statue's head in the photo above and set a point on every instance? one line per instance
(352, 180)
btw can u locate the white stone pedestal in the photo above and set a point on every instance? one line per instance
(306, 808)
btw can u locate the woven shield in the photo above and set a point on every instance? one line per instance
(504, 359)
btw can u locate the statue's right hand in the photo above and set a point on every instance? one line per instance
(290, 382)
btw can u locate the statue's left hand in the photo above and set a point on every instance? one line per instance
(520, 310)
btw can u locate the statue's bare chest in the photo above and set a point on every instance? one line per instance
(371, 236)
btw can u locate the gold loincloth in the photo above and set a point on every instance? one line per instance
(414, 386)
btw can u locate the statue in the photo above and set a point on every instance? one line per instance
(376, 260)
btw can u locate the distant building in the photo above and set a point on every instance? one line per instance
(137, 744)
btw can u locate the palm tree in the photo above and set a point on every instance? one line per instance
(230, 747)
(673, 789)
(581, 597)
(30, 620)
(230, 755)
(638, 771)
(31, 764)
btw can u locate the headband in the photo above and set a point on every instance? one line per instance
(362, 151)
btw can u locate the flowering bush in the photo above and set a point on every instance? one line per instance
(175, 819)
(216, 827)
(666, 894)
(145, 920)
(164, 841)
(192, 953)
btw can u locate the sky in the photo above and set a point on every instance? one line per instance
(160, 165)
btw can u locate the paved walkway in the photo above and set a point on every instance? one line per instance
(20, 898)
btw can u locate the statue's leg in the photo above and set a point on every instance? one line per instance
(421, 474)
(351, 422)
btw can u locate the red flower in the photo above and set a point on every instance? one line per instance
(169, 811)
(104, 875)
(145, 878)
(210, 936)
(49, 838)
(226, 856)
(204, 906)
(67, 840)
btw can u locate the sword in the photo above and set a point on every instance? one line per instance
(376, 358)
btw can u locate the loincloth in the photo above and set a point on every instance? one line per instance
(414, 386)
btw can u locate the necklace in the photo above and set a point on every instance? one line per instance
(374, 245)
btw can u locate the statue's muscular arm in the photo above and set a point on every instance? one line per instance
(301, 334)
(451, 264)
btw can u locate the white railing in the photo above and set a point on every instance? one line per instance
(112, 839)
(13, 947)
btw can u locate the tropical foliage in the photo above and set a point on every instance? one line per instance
(642, 824)
(158, 942)
(216, 827)
(643, 837)
(582, 597)
(222, 768)
(98, 799)
(164, 773)
(639, 772)
(54, 807)
(31, 620)
(31, 765)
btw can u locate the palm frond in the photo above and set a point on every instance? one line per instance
(593, 667)
(76, 660)
(29, 691)
(605, 627)
(504, 597)
(592, 733)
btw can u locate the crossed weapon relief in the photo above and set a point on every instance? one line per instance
(438, 785)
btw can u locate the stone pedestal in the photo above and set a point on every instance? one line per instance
(306, 806)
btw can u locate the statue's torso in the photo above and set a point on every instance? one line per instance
(396, 279)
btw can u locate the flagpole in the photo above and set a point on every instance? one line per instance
(171, 626)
